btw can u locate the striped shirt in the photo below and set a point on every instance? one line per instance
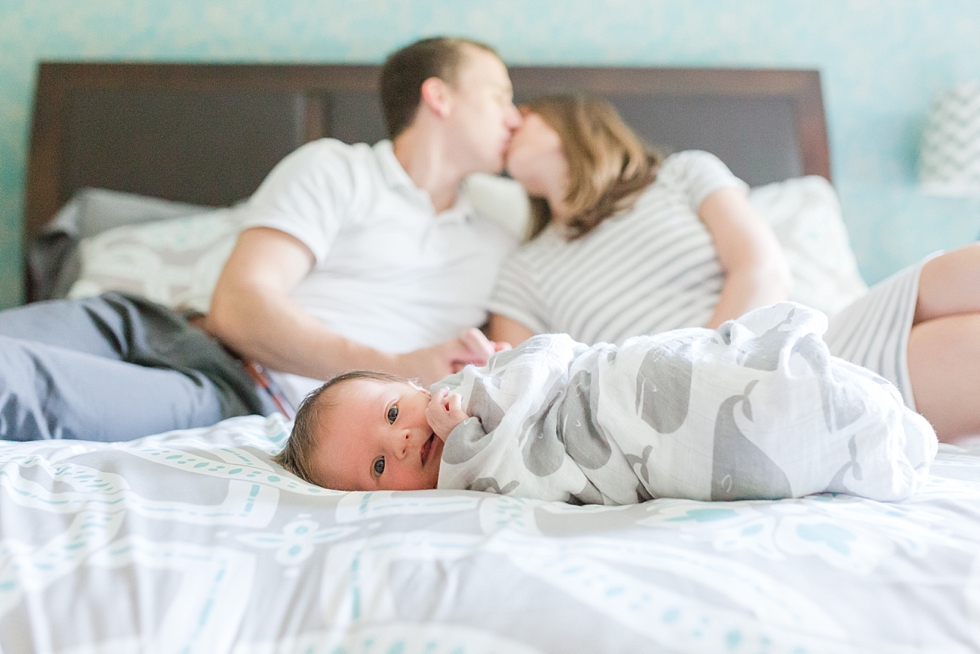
(654, 268)
(645, 271)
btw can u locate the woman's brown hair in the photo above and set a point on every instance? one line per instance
(608, 164)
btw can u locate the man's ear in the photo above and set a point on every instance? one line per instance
(436, 96)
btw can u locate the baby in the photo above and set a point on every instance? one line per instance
(758, 409)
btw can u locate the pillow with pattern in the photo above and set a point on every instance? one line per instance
(175, 262)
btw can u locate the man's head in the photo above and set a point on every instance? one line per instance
(364, 431)
(460, 86)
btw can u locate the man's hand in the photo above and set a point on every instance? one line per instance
(444, 412)
(431, 364)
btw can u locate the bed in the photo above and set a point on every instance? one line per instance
(194, 541)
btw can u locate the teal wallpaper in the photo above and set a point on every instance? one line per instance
(882, 62)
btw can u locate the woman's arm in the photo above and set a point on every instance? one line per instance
(756, 270)
(507, 330)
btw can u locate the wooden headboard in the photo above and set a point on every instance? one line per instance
(208, 133)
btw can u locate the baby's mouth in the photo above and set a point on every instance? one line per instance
(426, 449)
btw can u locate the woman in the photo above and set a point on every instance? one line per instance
(624, 242)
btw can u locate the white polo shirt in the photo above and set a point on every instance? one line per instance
(389, 272)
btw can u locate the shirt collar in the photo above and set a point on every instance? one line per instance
(391, 168)
(396, 177)
(462, 210)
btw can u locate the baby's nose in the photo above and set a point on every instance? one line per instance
(404, 441)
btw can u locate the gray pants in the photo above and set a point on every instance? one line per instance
(113, 368)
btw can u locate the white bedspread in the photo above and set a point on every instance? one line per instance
(194, 542)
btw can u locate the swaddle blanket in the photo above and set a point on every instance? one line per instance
(758, 409)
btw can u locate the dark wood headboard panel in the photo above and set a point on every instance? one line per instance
(201, 133)
(209, 133)
(767, 125)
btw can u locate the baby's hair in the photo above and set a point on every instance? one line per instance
(297, 456)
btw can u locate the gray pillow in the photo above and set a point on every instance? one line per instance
(102, 209)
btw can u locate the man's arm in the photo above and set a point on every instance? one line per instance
(252, 312)
(756, 270)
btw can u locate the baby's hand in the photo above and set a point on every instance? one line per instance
(444, 412)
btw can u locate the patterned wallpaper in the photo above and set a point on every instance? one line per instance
(882, 62)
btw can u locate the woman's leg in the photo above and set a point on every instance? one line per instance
(944, 345)
(950, 285)
(944, 367)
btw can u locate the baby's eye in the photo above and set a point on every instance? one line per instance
(379, 466)
(392, 414)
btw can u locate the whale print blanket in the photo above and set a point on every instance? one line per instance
(758, 409)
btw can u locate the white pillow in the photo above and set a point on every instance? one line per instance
(500, 199)
(805, 214)
(175, 262)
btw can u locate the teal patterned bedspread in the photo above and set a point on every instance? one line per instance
(193, 541)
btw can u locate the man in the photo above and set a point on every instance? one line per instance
(367, 257)
(353, 257)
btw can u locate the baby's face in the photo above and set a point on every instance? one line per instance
(376, 437)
